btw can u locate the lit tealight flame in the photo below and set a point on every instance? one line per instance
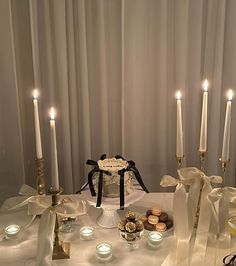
(35, 94)
(52, 113)
(178, 95)
(205, 85)
(230, 95)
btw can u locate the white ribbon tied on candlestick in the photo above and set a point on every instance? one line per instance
(185, 209)
(224, 197)
(179, 251)
(41, 204)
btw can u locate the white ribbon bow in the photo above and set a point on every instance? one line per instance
(41, 204)
(185, 210)
(218, 228)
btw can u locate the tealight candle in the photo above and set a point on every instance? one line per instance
(86, 233)
(104, 251)
(154, 239)
(12, 230)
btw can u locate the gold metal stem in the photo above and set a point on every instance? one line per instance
(179, 161)
(61, 250)
(202, 160)
(198, 205)
(40, 176)
(224, 165)
(202, 166)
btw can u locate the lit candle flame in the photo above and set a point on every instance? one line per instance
(35, 94)
(230, 95)
(178, 95)
(52, 113)
(205, 85)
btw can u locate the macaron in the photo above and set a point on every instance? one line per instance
(152, 219)
(143, 218)
(156, 210)
(169, 223)
(148, 212)
(161, 227)
(163, 217)
(148, 226)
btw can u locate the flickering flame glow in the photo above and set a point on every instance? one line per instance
(52, 113)
(178, 95)
(35, 94)
(205, 85)
(230, 95)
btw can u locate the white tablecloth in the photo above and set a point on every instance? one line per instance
(22, 251)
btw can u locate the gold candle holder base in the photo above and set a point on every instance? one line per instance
(179, 161)
(61, 250)
(40, 176)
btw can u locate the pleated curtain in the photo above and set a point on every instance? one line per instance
(111, 69)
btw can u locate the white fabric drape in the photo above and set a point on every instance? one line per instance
(111, 69)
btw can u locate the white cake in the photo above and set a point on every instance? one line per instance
(111, 183)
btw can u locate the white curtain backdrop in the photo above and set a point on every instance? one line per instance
(111, 69)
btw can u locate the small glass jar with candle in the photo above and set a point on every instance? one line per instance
(104, 251)
(12, 230)
(86, 233)
(154, 239)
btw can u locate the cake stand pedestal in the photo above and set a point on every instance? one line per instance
(109, 216)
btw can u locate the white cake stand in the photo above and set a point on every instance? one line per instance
(109, 216)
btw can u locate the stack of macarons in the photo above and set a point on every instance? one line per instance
(156, 220)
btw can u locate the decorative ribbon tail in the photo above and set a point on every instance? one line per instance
(139, 179)
(90, 182)
(122, 194)
(100, 184)
(83, 188)
(45, 238)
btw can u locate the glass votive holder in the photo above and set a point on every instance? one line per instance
(12, 230)
(154, 239)
(86, 233)
(104, 251)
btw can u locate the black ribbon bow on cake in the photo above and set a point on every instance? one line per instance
(130, 167)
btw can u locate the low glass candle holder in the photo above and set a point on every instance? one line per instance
(86, 233)
(154, 239)
(104, 251)
(12, 230)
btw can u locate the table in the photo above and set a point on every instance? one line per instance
(22, 252)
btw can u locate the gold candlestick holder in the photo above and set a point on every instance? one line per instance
(61, 250)
(202, 167)
(224, 165)
(40, 176)
(179, 161)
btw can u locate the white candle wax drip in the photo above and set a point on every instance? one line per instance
(54, 163)
(179, 128)
(226, 137)
(39, 153)
(203, 131)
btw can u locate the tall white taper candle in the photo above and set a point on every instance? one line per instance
(226, 138)
(203, 131)
(179, 128)
(54, 164)
(39, 153)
